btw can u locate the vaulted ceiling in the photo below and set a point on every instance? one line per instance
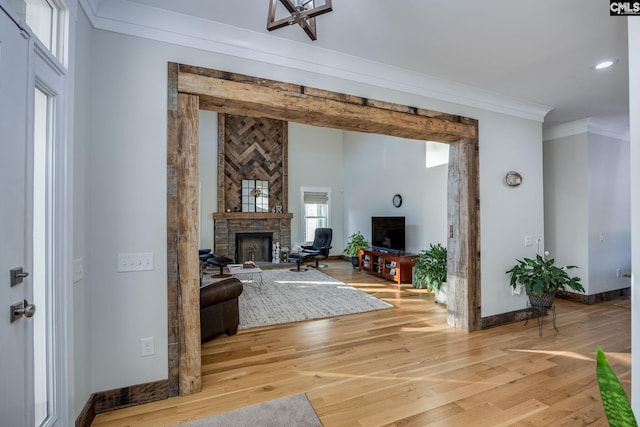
(531, 58)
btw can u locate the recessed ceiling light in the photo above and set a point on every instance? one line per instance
(605, 64)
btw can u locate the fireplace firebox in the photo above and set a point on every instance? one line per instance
(254, 246)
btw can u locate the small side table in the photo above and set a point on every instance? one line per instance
(238, 269)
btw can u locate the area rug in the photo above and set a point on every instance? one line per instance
(286, 296)
(287, 411)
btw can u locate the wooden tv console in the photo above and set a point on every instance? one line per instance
(396, 267)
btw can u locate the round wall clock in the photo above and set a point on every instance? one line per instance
(397, 200)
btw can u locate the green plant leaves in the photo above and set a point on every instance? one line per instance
(540, 276)
(431, 267)
(356, 241)
(614, 399)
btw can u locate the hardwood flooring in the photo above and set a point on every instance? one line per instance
(405, 367)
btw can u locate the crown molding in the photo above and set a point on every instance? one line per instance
(139, 20)
(588, 125)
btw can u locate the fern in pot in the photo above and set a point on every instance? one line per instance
(430, 271)
(541, 279)
(355, 242)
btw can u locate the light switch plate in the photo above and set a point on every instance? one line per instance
(142, 261)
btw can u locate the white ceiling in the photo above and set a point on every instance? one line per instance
(529, 55)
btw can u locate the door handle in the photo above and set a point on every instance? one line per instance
(20, 309)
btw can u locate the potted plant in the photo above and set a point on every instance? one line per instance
(542, 279)
(355, 242)
(430, 271)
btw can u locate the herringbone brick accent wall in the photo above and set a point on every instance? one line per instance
(254, 149)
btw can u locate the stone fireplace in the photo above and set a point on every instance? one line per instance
(228, 225)
(251, 148)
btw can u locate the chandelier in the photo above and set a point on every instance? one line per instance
(303, 13)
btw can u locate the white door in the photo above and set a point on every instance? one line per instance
(16, 391)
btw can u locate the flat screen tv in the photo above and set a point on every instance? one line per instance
(388, 234)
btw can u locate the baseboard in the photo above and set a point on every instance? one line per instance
(595, 298)
(119, 398)
(522, 315)
(88, 413)
(505, 318)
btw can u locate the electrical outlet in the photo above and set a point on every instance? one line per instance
(618, 272)
(528, 241)
(147, 347)
(517, 290)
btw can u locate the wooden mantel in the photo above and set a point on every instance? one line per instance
(251, 215)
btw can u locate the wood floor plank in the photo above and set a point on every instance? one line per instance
(405, 367)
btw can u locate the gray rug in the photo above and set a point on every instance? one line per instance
(287, 411)
(287, 296)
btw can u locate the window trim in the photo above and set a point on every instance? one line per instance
(303, 216)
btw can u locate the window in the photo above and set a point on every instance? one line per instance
(41, 251)
(46, 18)
(436, 154)
(41, 17)
(316, 210)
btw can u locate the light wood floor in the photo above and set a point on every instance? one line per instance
(405, 367)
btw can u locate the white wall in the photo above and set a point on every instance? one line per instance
(126, 193)
(379, 166)
(633, 29)
(609, 231)
(507, 214)
(566, 203)
(81, 290)
(208, 175)
(587, 222)
(315, 160)
(126, 208)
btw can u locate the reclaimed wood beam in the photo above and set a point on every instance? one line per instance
(303, 106)
(463, 243)
(173, 301)
(187, 244)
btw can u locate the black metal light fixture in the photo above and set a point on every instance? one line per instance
(303, 13)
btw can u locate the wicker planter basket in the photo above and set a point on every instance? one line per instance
(542, 301)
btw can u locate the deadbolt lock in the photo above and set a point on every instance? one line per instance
(17, 275)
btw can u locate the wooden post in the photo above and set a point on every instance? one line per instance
(173, 333)
(188, 261)
(463, 245)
